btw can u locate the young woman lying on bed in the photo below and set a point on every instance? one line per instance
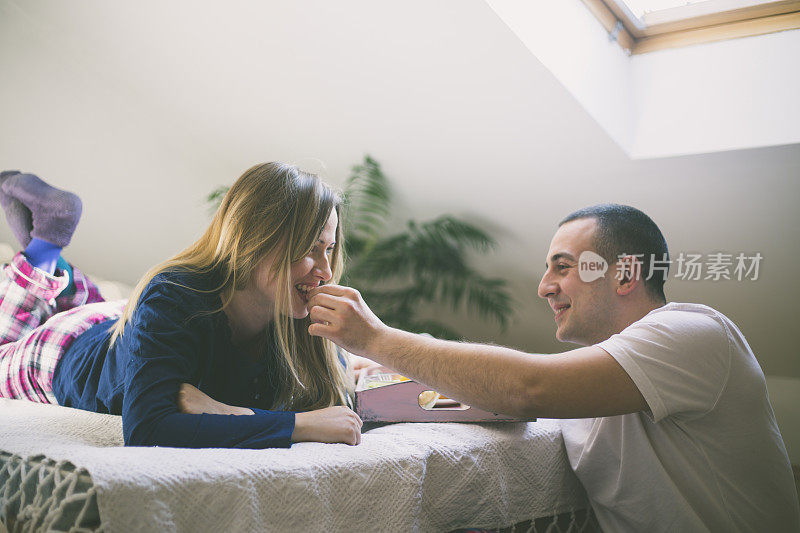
(227, 315)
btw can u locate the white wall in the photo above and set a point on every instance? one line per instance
(571, 43)
(728, 95)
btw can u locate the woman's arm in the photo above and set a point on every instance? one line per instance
(192, 400)
(164, 348)
(167, 343)
(332, 424)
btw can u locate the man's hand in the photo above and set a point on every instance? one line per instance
(340, 315)
(193, 401)
(332, 424)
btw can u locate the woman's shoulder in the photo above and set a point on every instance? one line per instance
(206, 280)
(184, 286)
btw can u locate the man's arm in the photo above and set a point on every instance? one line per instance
(581, 383)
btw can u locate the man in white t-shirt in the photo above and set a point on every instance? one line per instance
(667, 420)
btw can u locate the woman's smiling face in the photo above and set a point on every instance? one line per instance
(311, 271)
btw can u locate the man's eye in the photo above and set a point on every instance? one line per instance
(562, 267)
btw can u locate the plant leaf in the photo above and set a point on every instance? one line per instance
(368, 198)
(214, 199)
(459, 233)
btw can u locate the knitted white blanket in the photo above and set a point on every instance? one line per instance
(402, 477)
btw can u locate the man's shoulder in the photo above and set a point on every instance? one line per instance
(685, 323)
(690, 313)
(686, 307)
(679, 357)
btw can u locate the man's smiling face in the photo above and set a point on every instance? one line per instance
(583, 311)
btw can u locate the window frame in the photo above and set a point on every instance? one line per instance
(692, 24)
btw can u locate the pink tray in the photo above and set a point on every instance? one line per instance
(399, 402)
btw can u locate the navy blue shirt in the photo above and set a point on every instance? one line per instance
(170, 341)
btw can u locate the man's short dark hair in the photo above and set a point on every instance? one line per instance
(622, 229)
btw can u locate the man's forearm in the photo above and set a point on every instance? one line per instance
(492, 378)
(581, 383)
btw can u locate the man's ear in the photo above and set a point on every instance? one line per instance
(629, 274)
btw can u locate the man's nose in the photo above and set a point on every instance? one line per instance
(547, 287)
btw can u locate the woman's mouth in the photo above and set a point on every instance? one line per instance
(304, 289)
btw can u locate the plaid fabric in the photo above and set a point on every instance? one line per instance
(37, 326)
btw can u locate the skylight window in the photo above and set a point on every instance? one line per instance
(645, 25)
(640, 7)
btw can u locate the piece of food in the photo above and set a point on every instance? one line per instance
(427, 399)
(379, 380)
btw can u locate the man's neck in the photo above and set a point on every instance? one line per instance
(624, 318)
(636, 312)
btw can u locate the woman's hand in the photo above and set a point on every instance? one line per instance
(192, 401)
(365, 367)
(332, 424)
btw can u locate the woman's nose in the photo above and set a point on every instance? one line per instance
(324, 267)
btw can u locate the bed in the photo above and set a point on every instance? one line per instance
(63, 469)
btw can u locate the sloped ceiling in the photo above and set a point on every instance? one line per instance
(724, 95)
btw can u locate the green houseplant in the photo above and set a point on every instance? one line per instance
(423, 267)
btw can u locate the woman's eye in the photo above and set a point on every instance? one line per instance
(315, 250)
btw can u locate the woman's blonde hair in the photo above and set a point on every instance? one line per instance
(275, 210)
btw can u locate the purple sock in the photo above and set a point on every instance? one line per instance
(19, 217)
(54, 213)
(43, 255)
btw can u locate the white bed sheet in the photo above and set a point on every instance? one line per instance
(402, 477)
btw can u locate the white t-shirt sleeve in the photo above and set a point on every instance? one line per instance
(679, 360)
